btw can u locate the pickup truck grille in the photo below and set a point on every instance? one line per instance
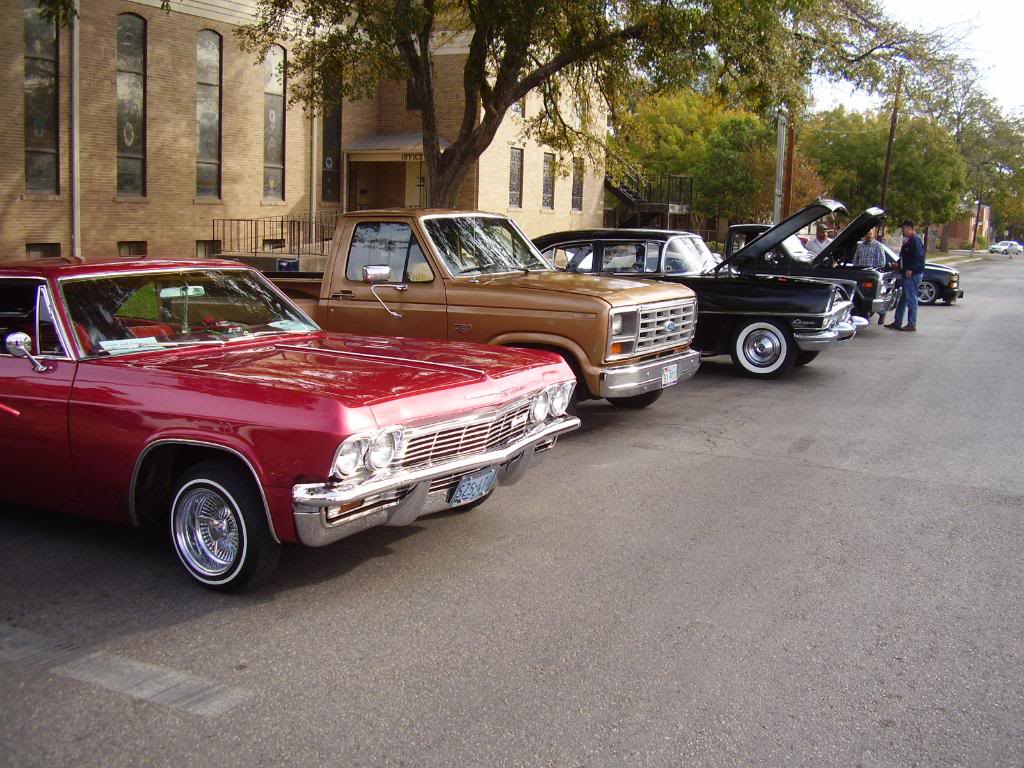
(666, 325)
(445, 443)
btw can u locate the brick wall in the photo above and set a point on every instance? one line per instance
(532, 216)
(169, 218)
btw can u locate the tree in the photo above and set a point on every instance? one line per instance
(584, 57)
(927, 182)
(726, 179)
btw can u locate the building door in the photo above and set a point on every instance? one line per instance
(415, 185)
(409, 301)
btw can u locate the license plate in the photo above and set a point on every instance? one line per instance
(472, 487)
(670, 375)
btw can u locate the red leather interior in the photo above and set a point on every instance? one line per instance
(144, 331)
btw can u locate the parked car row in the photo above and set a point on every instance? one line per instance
(1006, 247)
(437, 357)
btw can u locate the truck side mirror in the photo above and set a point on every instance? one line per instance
(20, 345)
(376, 273)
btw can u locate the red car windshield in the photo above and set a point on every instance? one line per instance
(139, 311)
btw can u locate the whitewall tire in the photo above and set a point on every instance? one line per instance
(763, 349)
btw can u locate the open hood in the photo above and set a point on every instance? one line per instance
(790, 226)
(850, 235)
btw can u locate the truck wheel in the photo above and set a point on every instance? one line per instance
(219, 528)
(637, 401)
(763, 349)
(928, 293)
(804, 358)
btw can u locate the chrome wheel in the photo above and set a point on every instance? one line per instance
(762, 348)
(207, 532)
(927, 294)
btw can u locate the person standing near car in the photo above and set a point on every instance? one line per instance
(821, 239)
(869, 252)
(912, 269)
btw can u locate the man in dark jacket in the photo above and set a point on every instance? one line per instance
(912, 270)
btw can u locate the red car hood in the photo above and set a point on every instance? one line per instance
(401, 380)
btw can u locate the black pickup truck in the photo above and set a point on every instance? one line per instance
(766, 250)
(767, 324)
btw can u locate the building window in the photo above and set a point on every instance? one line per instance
(206, 249)
(273, 123)
(131, 247)
(41, 103)
(515, 178)
(577, 184)
(42, 250)
(548, 192)
(412, 99)
(131, 105)
(518, 107)
(330, 174)
(208, 111)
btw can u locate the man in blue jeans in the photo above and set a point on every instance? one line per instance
(912, 267)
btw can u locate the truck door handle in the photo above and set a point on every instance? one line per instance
(341, 295)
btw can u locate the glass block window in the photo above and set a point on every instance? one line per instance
(548, 191)
(208, 113)
(41, 103)
(131, 105)
(330, 173)
(577, 184)
(273, 123)
(515, 178)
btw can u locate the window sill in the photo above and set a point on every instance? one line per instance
(131, 199)
(547, 210)
(207, 201)
(37, 197)
(515, 208)
(272, 203)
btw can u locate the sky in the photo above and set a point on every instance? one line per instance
(993, 39)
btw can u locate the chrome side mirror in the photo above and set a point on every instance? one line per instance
(20, 345)
(376, 273)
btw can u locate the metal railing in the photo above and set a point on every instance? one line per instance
(667, 188)
(293, 235)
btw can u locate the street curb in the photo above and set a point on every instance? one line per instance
(955, 260)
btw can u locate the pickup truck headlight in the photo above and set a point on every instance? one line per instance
(623, 325)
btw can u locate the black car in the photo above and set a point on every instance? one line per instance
(940, 281)
(767, 324)
(764, 249)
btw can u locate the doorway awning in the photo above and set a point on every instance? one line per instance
(390, 147)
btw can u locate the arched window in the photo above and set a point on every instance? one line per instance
(41, 102)
(131, 105)
(274, 89)
(208, 111)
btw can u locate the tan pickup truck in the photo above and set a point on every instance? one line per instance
(467, 276)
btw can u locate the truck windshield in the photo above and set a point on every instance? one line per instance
(139, 311)
(479, 245)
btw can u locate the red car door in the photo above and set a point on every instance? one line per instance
(34, 448)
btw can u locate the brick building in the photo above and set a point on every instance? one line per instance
(176, 128)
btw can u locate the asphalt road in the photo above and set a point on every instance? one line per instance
(825, 570)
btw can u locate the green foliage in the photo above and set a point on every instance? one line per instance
(927, 180)
(726, 180)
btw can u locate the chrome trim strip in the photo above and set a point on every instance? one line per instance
(190, 441)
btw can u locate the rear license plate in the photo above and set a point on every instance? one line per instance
(670, 375)
(472, 487)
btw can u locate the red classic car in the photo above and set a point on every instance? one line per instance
(195, 395)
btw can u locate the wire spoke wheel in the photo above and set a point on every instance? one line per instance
(207, 531)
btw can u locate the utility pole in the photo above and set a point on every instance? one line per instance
(787, 195)
(892, 139)
(977, 223)
(780, 166)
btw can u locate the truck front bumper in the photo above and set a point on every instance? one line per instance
(816, 341)
(638, 378)
(886, 303)
(327, 512)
